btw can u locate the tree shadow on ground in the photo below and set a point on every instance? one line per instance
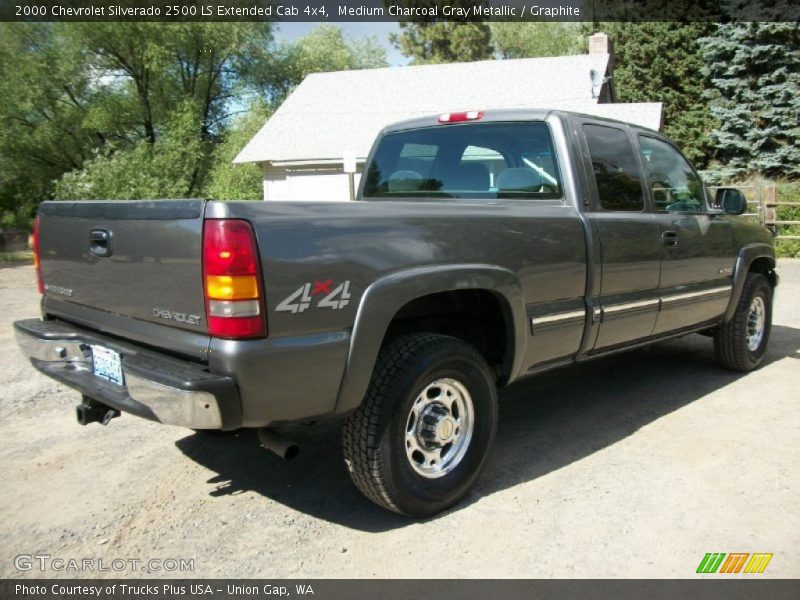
(554, 419)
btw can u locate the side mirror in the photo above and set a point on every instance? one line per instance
(731, 201)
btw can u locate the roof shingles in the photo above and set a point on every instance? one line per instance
(331, 114)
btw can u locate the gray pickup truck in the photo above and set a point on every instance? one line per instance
(485, 247)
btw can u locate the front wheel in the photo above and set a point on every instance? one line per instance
(740, 344)
(421, 437)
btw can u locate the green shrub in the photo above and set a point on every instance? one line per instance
(21, 218)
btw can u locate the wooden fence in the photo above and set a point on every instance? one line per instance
(763, 198)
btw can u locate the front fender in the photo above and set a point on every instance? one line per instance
(747, 255)
(383, 299)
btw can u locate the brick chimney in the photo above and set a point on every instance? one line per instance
(599, 44)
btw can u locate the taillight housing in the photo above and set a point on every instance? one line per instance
(36, 259)
(232, 280)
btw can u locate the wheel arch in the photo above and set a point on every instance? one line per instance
(385, 298)
(760, 258)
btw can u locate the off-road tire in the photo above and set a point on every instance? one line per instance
(730, 339)
(374, 435)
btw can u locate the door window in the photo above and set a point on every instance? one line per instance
(673, 182)
(616, 170)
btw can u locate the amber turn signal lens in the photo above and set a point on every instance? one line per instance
(231, 287)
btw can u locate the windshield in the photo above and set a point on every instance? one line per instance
(476, 160)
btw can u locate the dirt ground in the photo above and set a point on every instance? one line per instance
(632, 466)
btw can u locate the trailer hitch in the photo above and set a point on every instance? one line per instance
(92, 411)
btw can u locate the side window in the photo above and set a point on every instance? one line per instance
(616, 170)
(675, 185)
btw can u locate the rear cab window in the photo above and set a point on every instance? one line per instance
(615, 168)
(469, 161)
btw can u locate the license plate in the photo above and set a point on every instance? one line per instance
(107, 365)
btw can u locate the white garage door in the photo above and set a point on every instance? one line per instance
(329, 184)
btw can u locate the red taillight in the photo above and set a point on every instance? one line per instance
(36, 260)
(472, 115)
(231, 280)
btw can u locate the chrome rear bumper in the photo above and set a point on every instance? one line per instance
(156, 386)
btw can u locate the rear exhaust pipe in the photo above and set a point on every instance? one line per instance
(278, 444)
(92, 411)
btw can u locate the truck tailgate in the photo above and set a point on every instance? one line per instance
(135, 260)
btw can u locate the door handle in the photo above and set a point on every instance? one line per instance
(100, 242)
(669, 238)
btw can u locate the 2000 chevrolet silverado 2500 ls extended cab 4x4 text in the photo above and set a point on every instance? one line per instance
(484, 247)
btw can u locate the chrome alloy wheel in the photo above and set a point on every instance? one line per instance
(439, 428)
(756, 323)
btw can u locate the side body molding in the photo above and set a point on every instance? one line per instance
(384, 298)
(747, 255)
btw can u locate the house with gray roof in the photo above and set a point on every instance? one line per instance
(333, 118)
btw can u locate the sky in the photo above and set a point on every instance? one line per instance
(293, 30)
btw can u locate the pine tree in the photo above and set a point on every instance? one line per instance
(663, 62)
(754, 74)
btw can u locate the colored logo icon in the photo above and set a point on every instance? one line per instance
(735, 562)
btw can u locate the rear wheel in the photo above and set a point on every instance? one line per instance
(420, 438)
(741, 343)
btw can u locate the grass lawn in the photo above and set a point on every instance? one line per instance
(8, 259)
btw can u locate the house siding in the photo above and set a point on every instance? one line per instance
(309, 182)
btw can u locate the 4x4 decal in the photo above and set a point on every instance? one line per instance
(301, 299)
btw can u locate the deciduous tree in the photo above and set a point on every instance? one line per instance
(428, 41)
(238, 182)
(47, 123)
(324, 48)
(522, 39)
(145, 110)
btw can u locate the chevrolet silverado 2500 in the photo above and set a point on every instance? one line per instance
(485, 247)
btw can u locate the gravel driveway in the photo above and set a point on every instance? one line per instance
(632, 466)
